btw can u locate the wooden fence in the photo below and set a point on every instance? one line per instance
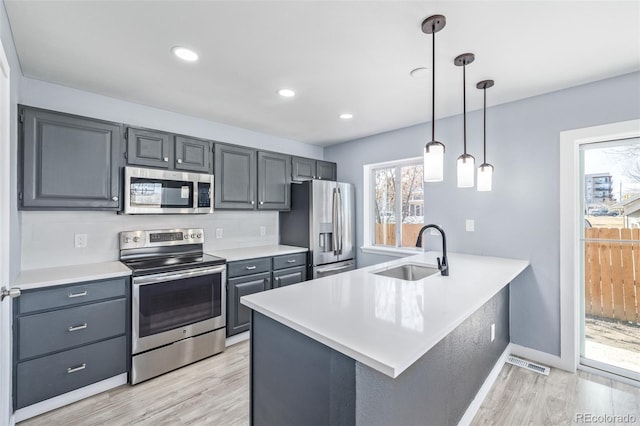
(612, 273)
(386, 234)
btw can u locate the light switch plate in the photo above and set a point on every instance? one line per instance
(218, 233)
(80, 240)
(470, 225)
(263, 231)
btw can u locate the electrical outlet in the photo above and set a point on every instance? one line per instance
(218, 233)
(470, 225)
(263, 231)
(80, 240)
(493, 332)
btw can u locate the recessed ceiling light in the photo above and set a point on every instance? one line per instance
(421, 72)
(286, 93)
(346, 116)
(185, 54)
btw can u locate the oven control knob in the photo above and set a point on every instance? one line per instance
(199, 235)
(136, 239)
(186, 236)
(193, 236)
(127, 239)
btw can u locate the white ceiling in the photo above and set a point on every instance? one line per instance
(339, 56)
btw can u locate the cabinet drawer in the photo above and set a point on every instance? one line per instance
(289, 276)
(247, 267)
(46, 377)
(289, 260)
(47, 332)
(62, 296)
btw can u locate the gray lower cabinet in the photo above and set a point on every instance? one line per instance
(250, 276)
(274, 179)
(235, 177)
(307, 168)
(238, 315)
(69, 336)
(68, 162)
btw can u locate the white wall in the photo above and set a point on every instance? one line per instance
(16, 80)
(47, 238)
(520, 218)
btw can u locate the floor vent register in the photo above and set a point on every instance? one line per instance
(519, 362)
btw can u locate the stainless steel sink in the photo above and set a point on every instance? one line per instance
(408, 272)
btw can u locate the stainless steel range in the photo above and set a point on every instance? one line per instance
(178, 300)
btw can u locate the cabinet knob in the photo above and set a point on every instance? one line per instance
(320, 177)
(252, 202)
(261, 202)
(165, 159)
(179, 160)
(114, 198)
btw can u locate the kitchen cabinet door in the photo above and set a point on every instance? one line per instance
(68, 162)
(193, 154)
(274, 182)
(238, 315)
(235, 177)
(149, 148)
(289, 276)
(326, 170)
(303, 169)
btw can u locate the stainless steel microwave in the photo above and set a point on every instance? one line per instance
(153, 191)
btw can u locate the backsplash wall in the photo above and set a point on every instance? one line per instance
(48, 237)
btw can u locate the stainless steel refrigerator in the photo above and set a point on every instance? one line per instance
(322, 219)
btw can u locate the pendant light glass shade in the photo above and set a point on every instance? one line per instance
(466, 171)
(433, 170)
(485, 177)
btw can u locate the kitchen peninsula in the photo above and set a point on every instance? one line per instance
(362, 348)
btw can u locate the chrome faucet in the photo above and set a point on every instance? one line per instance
(443, 266)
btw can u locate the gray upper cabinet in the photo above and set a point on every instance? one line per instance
(235, 177)
(307, 168)
(326, 170)
(68, 162)
(193, 154)
(303, 168)
(274, 179)
(149, 148)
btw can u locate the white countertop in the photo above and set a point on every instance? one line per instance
(387, 323)
(244, 253)
(45, 277)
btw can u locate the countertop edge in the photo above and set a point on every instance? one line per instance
(48, 277)
(255, 252)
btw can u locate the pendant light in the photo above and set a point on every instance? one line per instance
(466, 162)
(485, 171)
(433, 170)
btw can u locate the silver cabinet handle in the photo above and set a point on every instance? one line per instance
(179, 160)
(114, 198)
(250, 268)
(12, 293)
(165, 159)
(78, 368)
(291, 261)
(78, 327)
(82, 293)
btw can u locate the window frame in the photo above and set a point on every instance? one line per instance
(369, 245)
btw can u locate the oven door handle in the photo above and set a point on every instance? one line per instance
(172, 276)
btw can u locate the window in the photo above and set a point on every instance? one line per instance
(394, 196)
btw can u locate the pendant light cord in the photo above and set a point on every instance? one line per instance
(433, 85)
(484, 126)
(464, 104)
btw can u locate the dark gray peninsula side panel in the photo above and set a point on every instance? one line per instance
(296, 380)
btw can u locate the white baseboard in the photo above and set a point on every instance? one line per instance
(236, 339)
(541, 357)
(69, 397)
(484, 390)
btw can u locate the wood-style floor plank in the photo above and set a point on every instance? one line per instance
(215, 391)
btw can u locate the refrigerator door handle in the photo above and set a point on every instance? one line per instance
(340, 222)
(334, 217)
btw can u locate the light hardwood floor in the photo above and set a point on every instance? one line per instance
(216, 392)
